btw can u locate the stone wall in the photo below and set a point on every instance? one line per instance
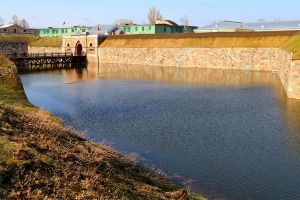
(13, 48)
(22, 48)
(265, 59)
(257, 59)
(43, 50)
(293, 90)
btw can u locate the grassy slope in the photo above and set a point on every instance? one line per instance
(33, 40)
(11, 92)
(289, 40)
(40, 158)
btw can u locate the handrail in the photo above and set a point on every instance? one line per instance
(38, 55)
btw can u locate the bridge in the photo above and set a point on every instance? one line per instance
(46, 61)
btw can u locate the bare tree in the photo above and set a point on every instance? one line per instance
(23, 23)
(14, 19)
(185, 22)
(122, 21)
(153, 15)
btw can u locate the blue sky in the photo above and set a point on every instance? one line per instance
(53, 13)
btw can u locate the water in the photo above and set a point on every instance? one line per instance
(225, 134)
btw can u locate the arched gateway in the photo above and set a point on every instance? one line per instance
(78, 49)
(79, 44)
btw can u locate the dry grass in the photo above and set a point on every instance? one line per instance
(11, 89)
(4, 61)
(32, 40)
(42, 159)
(17, 38)
(46, 42)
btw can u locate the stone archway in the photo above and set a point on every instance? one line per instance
(78, 49)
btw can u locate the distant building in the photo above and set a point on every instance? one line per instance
(231, 26)
(224, 26)
(275, 26)
(161, 26)
(60, 32)
(14, 29)
(107, 30)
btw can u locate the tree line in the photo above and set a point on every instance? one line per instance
(15, 20)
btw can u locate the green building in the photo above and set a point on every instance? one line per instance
(161, 26)
(59, 32)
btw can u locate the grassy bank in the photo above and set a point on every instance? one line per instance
(33, 41)
(40, 158)
(288, 40)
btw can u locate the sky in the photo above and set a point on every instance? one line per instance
(53, 13)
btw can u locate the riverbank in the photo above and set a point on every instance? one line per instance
(41, 158)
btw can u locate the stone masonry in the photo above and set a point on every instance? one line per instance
(13, 48)
(42, 50)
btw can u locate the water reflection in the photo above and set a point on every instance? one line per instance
(231, 134)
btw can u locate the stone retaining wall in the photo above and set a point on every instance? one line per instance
(265, 59)
(22, 48)
(13, 48)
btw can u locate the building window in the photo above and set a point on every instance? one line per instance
(15, 30)
(4, 30)
(150, 28)
(165, 29)
(24, 31)
(91, 46)
(136, 29)
(128, 29)
(143, 29)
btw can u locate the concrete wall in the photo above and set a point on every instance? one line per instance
(257, 59)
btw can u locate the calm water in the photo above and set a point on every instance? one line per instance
(225, 134)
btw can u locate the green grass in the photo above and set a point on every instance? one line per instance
(32, 40)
